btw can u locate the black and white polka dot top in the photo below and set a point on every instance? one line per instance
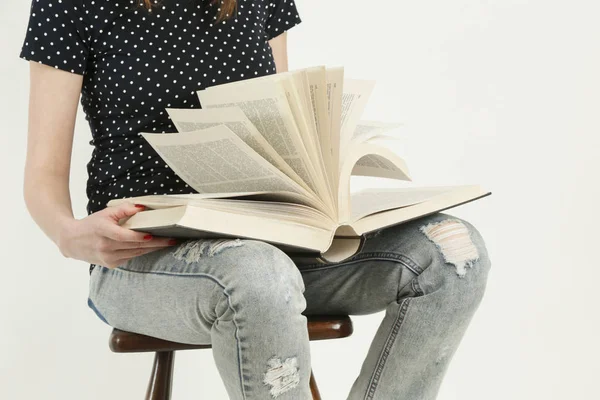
(136, 63)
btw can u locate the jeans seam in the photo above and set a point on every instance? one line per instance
(383, 256)
(218, 282)
(417, 287)
(372, 387)
(96, 311)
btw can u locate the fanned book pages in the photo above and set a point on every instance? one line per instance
(271, 159)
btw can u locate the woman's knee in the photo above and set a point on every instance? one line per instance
(432, 238)
(464, 263)
(264, 265)
(458, 242)
(264, 279)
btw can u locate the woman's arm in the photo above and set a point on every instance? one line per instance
(279, 46)
(53, 99)
(98, 239)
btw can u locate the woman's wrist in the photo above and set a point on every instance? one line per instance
(64, 234)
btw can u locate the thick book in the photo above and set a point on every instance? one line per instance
(271, 158)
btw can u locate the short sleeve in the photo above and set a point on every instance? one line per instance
(57, 35)
(281, 16)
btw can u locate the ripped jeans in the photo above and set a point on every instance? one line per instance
(250, 300)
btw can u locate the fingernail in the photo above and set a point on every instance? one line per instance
(140, 206)
(147, 237)
(172, 241)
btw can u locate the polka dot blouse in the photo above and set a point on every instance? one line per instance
(136, 63)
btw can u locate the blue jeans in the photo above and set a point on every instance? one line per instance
(250, 300)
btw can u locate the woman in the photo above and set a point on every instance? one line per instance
(129, 60)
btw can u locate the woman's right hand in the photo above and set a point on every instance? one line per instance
(99, 239)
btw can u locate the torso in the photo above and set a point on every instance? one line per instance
(143, 62)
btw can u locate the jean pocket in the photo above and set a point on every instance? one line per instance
(96, 311)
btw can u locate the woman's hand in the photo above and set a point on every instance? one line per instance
(98, 238)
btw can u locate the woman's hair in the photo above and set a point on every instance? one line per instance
(226, 8)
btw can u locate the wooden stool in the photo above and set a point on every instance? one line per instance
(320, 327)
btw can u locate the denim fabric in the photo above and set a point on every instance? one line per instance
(250, 301)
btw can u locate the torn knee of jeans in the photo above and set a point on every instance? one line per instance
(281, 375)
(453, 239)
(193, 250)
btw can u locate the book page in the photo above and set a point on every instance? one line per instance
(366, 130)
(320, 106)
(296, 86)
(377, 166)
(342, 248)
(265, 104)
(380, 161)
(335, 87)
(371, 201)
(201, 222)
(450, 198)
(215, 160)
(308, 134)
(301, 79)
(189, 119)
(160, 201)
(303, 117)
(270, 209)
(354, 100)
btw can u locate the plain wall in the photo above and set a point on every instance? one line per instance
(503, 93)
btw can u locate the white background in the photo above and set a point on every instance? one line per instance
(503, 93)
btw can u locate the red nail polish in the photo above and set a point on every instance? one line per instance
(147, 237)
(140, 206)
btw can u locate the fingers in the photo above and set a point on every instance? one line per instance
(123, 211)
(116, 244)
(120, 234)
(124, 235)
(154, 242)
(107, 247)
(116, 232)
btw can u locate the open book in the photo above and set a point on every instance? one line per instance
(271, 159)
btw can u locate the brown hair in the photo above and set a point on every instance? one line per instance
(226, 8)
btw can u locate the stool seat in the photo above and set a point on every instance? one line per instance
(320, 327)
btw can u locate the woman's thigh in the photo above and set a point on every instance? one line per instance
(178, 293)
(390, 265)
(153, 304)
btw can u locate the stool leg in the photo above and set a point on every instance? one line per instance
(313, 387)
(161, 379)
